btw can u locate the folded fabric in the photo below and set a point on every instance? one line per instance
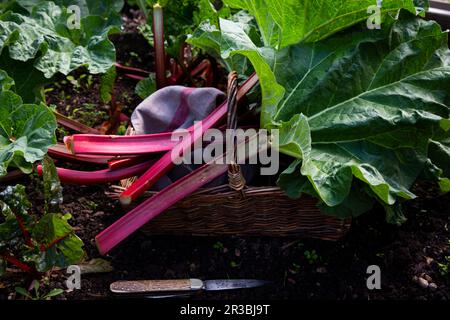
(174, 107)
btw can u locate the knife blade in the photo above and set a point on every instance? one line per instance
(183, 285)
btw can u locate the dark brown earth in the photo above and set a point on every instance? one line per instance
(339, 272)
(418, 249)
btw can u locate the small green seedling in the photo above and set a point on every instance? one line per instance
(443, 267)
(219, 246)
(311, 256)
(37, 294)
(295, 268)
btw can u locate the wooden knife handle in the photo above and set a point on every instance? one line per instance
(142, 286)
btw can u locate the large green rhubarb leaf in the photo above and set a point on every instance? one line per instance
(208, 37)
(287, 22)
(234, 41)
(28, 81)
(26, 132)
(44, 40)
(109, 9)
(282, 23)
(372, 101)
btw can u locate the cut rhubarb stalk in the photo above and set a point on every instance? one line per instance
(96, 177)
(12, 176)
(131, 70)
(163, 165)
(163, 200)
(74, 125)
(124, 118)
(119, 145)
(204, 70)
(59, 151)
(134, 77)
(158, 39)
(201, 67)
(127, 162)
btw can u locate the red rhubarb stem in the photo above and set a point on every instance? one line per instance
(134, 77)
(59, 151)
(97, 177)
(44, 248)
(14, 261)
(201, 67)
(163, 165)
(74, 125)
(131, 70)
(25, 232)
(119, 163)
(119, 145)
(160, 55)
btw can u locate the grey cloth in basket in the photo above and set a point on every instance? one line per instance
(174, 107)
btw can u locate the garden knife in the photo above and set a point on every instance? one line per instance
(183, 285)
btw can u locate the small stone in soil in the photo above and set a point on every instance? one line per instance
(429, 260)
(433, 286)
(427, 277)
(321, 270)
(421, 282)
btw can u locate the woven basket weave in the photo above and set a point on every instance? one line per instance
(263, 211)
(237, 209)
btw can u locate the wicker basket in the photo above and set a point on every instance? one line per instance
(237, 209)
(263, 211)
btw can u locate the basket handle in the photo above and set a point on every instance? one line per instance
(236, 180)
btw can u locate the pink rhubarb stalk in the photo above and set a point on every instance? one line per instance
(119, 145)
(119, 163)
(16, 262)
(74, 125)
(163, 200)
(126, 69)
(160, 55)
(96, 177)
(163, 165)
(59, 151)
(135, 77)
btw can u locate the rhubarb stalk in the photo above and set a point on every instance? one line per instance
(163, 165)
(119, 145)
(14, 261)
(119, 163)
(126, 69)
(96, 177)
(135, 77)
(74, 125)
(160, 55)
(59, 151)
